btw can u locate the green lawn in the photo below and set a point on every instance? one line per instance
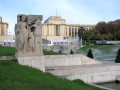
(17, 77)
(87, 47)
(50, 53)
(8, 51)
(105, 49)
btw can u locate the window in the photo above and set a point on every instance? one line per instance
(54, 42)
(57, 30)
(69, 31)
(66, 32)
(73, 32)
(65, 38)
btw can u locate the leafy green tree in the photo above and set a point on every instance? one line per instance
(103, 36)
(118, 35)
(89, 54)
(98, 36)
(111, 29)
(109, 36)
(101, 27)
(89, 34)
(117, 60)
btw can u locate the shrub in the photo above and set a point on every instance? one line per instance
(71, 52)
(117, 60)
(60, 51)
(89, 54)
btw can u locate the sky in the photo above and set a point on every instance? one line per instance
(73, 11)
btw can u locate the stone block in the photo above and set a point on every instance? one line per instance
(96, 74)
(4, 58)
(34, 61)
(114, 73)
(28, 62)
(90, 79)
(113, 77)
(83, 77)
(118, 72)
(96, 78)
(10, 58)
(109, 77)
(76, 76)
(66, 61)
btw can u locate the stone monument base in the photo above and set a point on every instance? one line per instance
(32, 61)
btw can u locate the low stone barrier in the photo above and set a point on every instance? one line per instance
(40, 62)
(68, 60)
(7, 57)
(98, 73)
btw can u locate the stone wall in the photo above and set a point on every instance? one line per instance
(40, 62)
(68, 60)
(88, 73)
(33, 61)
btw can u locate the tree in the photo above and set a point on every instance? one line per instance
(89, 54)
(71, 52)
(98, 36)
(103, 36)
(111, 29)
(117, 60)
(101, 27)
(109, 36)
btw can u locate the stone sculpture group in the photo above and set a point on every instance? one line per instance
(28, 35)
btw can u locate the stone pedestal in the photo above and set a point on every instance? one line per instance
(32, 61)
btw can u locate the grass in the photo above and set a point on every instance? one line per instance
(17, 77)
(103, 48)
(50, 53)
(87, 47)
(8, 51)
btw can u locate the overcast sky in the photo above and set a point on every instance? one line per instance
(73, 11)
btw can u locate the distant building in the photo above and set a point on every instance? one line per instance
(57, 32)
(5, 39)
(3, 28)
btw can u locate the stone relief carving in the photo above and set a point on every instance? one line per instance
(28, 31)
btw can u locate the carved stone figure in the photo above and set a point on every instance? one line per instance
(38, 34)
(22, 34)
(28, 35)
(32, 42)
